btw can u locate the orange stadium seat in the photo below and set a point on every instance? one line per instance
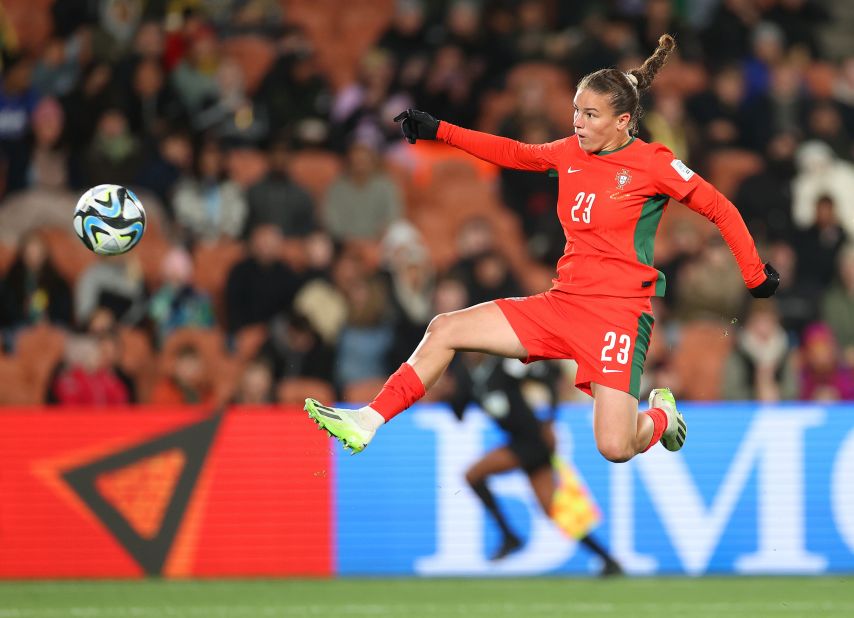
(254, 54)
(249, 340)
(211, 345)
(17, 390)
(69, 255)
(211, 264)
(728, 168)
(363, 391)
(315, 170)
(39, 349)
(294, 391)
(7, 257)
(699, 358)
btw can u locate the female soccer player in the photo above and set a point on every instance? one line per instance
(613, 189)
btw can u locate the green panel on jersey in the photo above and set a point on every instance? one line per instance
(645, 322)
(645, 231)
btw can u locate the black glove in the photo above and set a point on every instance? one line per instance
(767, 288)
(417, 125)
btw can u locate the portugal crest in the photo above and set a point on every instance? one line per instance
(623, 178)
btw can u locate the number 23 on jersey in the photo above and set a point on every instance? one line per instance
(584, 203)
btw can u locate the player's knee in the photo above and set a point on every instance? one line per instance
(440, 329)
(615, 450)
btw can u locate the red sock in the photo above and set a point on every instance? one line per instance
(659, 424)
(402, 389)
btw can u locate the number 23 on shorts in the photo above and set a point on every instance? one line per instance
(615, 349)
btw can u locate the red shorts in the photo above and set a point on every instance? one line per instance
(607, 336)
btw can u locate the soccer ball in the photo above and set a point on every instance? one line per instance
(109, 219)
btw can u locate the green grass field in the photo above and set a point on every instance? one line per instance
(706, 597)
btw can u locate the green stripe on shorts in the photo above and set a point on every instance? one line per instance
(645, 322)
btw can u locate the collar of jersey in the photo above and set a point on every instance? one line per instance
(607, 152)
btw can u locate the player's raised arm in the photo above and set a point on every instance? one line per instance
(502, 151)
(677, 180)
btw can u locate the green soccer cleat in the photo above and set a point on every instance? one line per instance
(674, 436)
(340, 424)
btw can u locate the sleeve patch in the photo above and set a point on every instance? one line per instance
(683, 170)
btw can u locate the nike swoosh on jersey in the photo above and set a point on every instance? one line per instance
(572, 171)
(606, 370)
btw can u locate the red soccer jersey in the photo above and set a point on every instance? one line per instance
(610, 204)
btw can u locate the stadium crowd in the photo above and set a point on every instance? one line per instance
(297, 246)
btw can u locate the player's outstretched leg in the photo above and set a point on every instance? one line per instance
(480, 328)
(674, 436)
(353, 428)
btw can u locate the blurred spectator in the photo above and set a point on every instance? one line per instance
(33, 291)
(406, 38)
(661, 17)
(837, 306)
(825, 123)
(294, 91)
(797, 302)
(86, 104)
(49, 161)
(261, 285)
(151, 105)
(149, 44)
(761, 366)
(9, 44)
(667, 124)
(533, 196)
(765, 198)
(255, 386)
(801, 21)
(818, 246)
(278, 200)
(171, 159)
(710, 286)
(605, 43)
(843, 94)
(17, 101)
(57, 70)
(483, 269)
(720, 109)
(194, 79)
(824, 377)
(366, 338)
(450, 84)
(410, 282)
(356, 108)
(295, 349)
(230, 113)
(117, 23)
(782, 108)
(685, 246)
(363, 201)
(102, 326)
(177, 303)
(115, 155)
(207, 205)
(116, 284)
(820, 173)
(727, 37)
(85, 377)
(189, 382)
(768, 45)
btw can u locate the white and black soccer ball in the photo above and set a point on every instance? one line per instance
(109, 219)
